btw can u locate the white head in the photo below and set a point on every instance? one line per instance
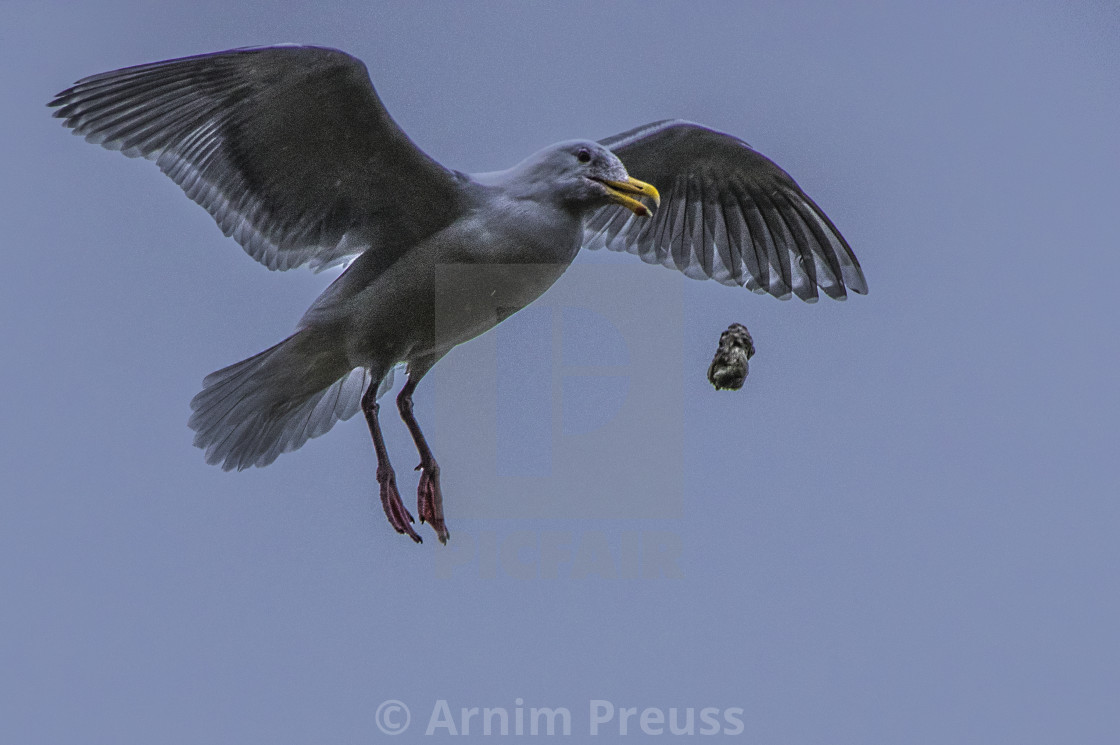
(582, 175)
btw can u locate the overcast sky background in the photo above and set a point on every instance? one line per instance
(902, 530)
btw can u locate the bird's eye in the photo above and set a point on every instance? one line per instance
(584, 155)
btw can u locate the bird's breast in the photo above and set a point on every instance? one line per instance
(495, 278)
(458, 284)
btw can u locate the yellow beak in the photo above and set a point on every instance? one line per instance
(619, 192)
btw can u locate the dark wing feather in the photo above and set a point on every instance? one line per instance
(727, 213)
(288, 148)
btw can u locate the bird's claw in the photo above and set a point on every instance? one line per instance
(429, 501)
(399, 516)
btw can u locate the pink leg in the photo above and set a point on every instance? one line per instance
(429, 498)
(395, 510)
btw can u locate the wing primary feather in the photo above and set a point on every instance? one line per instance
(657, 249)
(596, 224)
(642, 238)
(101, 99)
(797, 253)
(740, 252)
(704, 248)
(615, 225)
(691, 245)
(760, 240)
(807, 259)
(849, 268)
(676, 256)
(829, 271)
(779, 239)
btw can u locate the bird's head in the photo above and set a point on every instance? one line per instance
(585, 175)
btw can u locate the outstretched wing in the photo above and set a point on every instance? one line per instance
(288, 148)
(727, 213)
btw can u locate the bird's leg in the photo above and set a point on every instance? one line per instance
(429, 498)
(395, 510)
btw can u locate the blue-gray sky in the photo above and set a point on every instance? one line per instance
(902, 530)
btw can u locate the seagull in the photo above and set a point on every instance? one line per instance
(293, 154)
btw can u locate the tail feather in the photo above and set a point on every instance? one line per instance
(249, 413)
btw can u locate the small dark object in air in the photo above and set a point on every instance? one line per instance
(729, 367)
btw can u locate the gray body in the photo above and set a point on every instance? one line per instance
(387, 315)
(446, 289)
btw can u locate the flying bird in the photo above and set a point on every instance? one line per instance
(291, 151)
